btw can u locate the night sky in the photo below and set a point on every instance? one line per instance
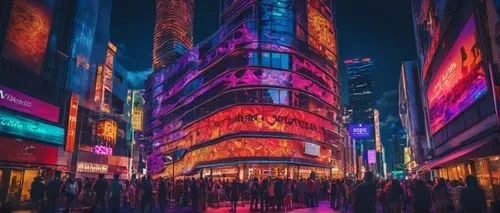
(381, 30)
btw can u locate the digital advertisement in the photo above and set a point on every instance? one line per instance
(459, 80)
(28, 32)
(21, 102)
(24, 127)
(360, 131)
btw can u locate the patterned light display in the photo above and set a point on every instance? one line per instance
(106, 130)
(104, 81)
(102, 150)
(321, 32)
(173, 31)
(28, 32)
(253, 91)
(459, 80)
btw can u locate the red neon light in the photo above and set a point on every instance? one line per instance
(73, 112)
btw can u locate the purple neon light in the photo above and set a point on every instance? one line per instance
(21, 102)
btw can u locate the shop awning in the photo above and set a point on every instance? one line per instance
(483, 148)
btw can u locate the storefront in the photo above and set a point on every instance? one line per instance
(21, 163)
(90, 165)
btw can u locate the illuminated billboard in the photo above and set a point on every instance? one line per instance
(360, 131)
(21, 102)
(106, 130)
(104, 81)
(28, 33)
(24, 127)
(137, 110)
(244, 148)
(376, 120)
(372, 156)
(248, 119)
(459, 80)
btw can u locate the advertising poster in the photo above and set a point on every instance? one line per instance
(12, 99)
(458, 81)
(360, 131)
(372, 156)
(28, 32)
(27, 152)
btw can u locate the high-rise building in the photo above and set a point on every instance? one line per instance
(260, 97)
(457, 43)
(173, 34)
(360, 71)
(411, 113)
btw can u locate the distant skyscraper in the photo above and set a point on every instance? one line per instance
(360, 72)
(173, 31)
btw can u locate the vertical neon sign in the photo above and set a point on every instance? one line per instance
(104, 81)
(73, 112)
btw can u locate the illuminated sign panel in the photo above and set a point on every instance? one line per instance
(28, 32)
(360, 131)
(372, 156)
(459, 81)
(243, 148)
(72, 115)
(376, 120)
(311, 149)
(106, 129)
(91, 168)
(137, 110)
(102, 150)
(248, 119)
(24, 127)
(104, 81)
(21, 102)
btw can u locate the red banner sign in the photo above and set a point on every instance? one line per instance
(73, 112)
(27, 152)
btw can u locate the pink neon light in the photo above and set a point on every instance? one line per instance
(102, 150)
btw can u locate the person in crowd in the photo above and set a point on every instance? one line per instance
(271, 193)
(235, 194)
(472, 197)
(87, 191)
(302, 192)
(115, 193)
(421, 197)
(395, 195)
(216, 187)
(254, 193)
(341, 195)
(194, 194)
(441, 197)
(71, 191)
(365, 195)
(53, 191)
(36, 194)
(288, 195)
(147, 194)
(279, 193)
(264, 197)
(458, 186)
(333, 193)
(162, 194)
(203, 193)
(100, 188)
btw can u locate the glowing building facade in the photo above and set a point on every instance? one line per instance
(259, 97)
(173, 35)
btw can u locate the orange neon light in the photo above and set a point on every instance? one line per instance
(106, 129)
(73, 112)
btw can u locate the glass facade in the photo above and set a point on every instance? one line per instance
(254, 92)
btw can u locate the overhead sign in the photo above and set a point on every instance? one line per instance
(91, 168)
(24, 127)
(21, 102)
(372, 156)
(311, 149)
(360, 131)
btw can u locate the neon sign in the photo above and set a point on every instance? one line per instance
(73, 112)
(21, 102)
(24, 127)
(360, 131)
(102, 150)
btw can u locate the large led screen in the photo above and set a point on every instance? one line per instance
(24, 127)
(243, 148)
(459, 80)
(28, 33)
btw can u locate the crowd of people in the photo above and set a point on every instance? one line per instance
(263, 194)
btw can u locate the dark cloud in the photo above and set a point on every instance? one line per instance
(388, 98)
(136, 78)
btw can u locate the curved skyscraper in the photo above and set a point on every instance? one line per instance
(260, 97)
(173, 31)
